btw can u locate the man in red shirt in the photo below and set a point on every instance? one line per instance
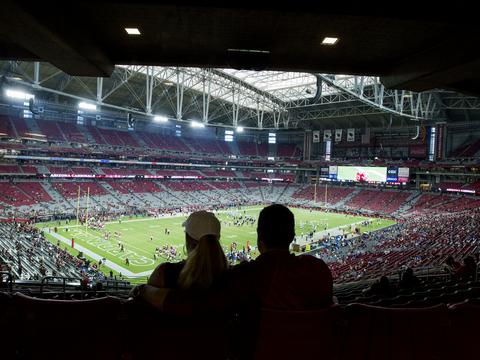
(278, 279)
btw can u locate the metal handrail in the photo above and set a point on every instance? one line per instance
(44, 281)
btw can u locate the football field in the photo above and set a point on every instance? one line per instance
(140, 236)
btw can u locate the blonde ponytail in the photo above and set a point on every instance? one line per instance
(205, 263)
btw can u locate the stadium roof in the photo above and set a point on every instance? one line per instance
(411, 47)
(286, 86)
(232, 64)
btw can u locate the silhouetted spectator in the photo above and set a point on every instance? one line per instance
(467, 271)
(382, 287)
(409, 280)
(451, 265)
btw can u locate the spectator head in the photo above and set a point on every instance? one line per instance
(469, 262)
(205, 258)
(276, 228)
(408, 273)
(449, 260)
(384, 282)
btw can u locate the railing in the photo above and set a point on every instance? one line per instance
(138, 280)
(117, 284)
(45, 282)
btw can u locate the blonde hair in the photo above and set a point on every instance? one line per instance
(205, 263)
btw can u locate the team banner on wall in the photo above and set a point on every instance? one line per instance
(328, 150)
(338, 135)
(440, 138)
(316, 136)
(366, 136)
(327, 135)
(351, 135)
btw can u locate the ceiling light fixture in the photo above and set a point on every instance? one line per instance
(132, 31)
(329, 41)
(197, 124)
(159, 118)
(87, 106)
(18, 94)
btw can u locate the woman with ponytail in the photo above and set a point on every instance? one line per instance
(205, 263)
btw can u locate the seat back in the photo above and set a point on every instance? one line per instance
(387, 333)
(464, 321)
(59, 329)
(156, 335)
(300, 334)
(8, 326)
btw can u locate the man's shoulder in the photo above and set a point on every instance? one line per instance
(309, 259)
(313, 265)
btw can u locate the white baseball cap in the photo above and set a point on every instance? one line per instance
(202, 223)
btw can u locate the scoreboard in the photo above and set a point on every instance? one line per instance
(400, 175)
(367, 174)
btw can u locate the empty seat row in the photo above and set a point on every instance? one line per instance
(352, 332)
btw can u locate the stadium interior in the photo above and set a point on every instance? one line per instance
(119, 119)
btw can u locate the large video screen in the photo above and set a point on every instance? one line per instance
(362, 173)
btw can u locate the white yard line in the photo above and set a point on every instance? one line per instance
(97, 257)
(94, 236)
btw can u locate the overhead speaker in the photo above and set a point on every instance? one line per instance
(130, 121)
(98, 117)
(31, 106)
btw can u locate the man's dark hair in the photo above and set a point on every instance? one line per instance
(276, 226)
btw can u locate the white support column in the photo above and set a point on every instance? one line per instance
(427, 107)
(276, 118)
(259, 116)
(361, 86)
(36, 73)
(180, 85)
(382, 91)
(417, 106)
(235, 106)
(206, 96)
(149, 89)
(99, 89)
(286, 120)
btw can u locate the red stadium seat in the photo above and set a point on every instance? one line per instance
(383, 333)
(56, 329)
(464, 337)
(155, 335)
(300, 334)
(8, 327)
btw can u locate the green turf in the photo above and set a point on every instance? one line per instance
(139, 248)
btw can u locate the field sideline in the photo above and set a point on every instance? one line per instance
(139, 249)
